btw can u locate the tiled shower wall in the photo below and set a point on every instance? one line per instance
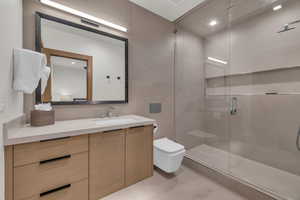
(265, 126)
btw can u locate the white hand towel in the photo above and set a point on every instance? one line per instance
(44, 78)
(28, 69)
(43, 107)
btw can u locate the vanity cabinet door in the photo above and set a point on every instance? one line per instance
(107, 163)
(139, 154)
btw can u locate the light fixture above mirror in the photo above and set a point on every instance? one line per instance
(82, 15)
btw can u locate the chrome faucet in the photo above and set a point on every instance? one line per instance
(109, 112)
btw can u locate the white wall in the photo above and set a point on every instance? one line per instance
(11, 36)
(108, 56)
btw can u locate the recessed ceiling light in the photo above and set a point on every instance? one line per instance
(82, 14)
(73, 63)
(217, 60)
(278, 7)
(213, 23)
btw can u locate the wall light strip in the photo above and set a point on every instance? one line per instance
(82, 14)
(217, 60)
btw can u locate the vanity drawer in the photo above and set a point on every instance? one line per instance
(74, 191)
(43, 150)
(33, 179)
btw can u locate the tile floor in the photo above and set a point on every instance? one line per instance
(187, 184)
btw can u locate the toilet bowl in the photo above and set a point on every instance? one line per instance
(168, 155)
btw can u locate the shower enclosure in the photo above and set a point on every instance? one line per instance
(237, 91)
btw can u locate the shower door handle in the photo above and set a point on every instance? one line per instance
(233, 105)
(298, 140)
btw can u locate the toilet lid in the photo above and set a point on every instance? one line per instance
(167, 145)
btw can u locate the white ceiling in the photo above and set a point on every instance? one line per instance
(198, 20)
(169, 9)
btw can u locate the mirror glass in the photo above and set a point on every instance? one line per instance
(87, 66)
(69, 79)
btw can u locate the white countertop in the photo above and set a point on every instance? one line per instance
(27, 133)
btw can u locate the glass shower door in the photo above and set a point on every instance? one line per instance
(265, 83)
(202, 116)
(237, 91)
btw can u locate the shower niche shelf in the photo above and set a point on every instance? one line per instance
(281, 81)
(278, 69)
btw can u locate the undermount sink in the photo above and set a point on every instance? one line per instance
(115, 120)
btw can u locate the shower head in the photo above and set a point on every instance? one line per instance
(287, 27)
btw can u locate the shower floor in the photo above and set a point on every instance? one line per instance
(268, 179)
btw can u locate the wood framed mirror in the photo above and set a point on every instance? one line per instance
(69, 72)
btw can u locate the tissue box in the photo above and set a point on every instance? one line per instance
(42, 118)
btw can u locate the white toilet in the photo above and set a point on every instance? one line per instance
(168, 155)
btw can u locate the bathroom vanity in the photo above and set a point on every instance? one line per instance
(83, 159)
(77, 159)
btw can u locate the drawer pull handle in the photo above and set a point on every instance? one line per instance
(55, 190)
(55, 159)
(55, 139)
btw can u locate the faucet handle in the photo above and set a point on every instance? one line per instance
(111, 108)
(109, 112)
(103, 115)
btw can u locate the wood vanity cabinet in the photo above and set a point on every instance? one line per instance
(86, 167)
